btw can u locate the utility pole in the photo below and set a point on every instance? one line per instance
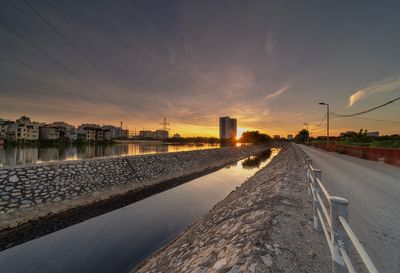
(327, 124)
(165, 124)
(308, 133)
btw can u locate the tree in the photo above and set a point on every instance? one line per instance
(254, 137)
(351, 136)
(302, 136)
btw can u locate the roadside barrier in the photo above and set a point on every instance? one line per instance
(383, 155)
(334, 223)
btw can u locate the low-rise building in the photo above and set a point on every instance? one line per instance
(116, 132)
(4, 128)
(373, 134)
(277, 137)
(146, 134)
(161, 134)
(124, 133)
(88, 131)
(49, 132)
(158, 134)
(66, 130)
(106, 134)
(290, 137)
(23, 129)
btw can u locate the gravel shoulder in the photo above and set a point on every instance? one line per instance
(265, 225)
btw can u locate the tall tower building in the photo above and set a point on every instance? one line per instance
(227, 128)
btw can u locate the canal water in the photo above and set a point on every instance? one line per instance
(11, 156)
(117, 241)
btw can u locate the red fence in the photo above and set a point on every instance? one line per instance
(389, 156)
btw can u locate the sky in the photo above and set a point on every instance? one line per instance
(266, 63)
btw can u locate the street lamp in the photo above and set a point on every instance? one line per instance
(308, 133)
(327, 124)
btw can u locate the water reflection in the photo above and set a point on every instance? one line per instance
(255, 161)
(116, 241)
(11, 156)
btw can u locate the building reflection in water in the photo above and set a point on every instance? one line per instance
(11, 156)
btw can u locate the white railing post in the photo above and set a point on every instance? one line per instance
(339, 207)
(317, 222)
(308, 162)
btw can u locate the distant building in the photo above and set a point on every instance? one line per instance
(373, 134)
(23, 129)
(106, 134)
(4, 128)
(277, 137)
(146, 134)
(161, 134)
(124, 133)
(66, 130)
(89, 132)
(158, 134)
(227, 128)
(48, 132)
(290, 137)
(176, 135)
(116, 132)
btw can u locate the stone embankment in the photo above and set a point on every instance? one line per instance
(265, 225)
(34, 191)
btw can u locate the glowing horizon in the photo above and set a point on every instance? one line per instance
(139, 63)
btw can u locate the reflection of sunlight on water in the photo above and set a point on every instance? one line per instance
(259, 160)
(11, 156)
(128, 235)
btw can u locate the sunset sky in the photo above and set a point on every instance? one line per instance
(266, 63)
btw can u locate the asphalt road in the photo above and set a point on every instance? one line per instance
(373, 190)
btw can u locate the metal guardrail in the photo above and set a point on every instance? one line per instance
(334, 223)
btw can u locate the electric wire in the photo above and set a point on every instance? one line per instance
(99, 58)
(33, 22)
(14, 31)
(88, 63)
(378, 120)
(366, 111)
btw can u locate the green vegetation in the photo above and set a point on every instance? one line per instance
(254, 137)
(362, 139)
(302, 136)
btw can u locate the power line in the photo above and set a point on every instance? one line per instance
(378, 120)
(322, 120)
(40, 28)
(71, 49)
(366, 111)
(43, 52)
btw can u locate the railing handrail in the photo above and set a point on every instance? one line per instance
(334, 224)
(322, 187)
(357, 245)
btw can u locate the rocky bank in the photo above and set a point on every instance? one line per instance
(265, 225)
(35, 191)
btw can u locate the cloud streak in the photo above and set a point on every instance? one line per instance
(278, 92)
(383, 86)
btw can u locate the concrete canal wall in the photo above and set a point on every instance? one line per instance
(33, 191)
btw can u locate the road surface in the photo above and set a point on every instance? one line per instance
(373, 190)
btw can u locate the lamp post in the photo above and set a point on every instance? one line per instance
(327, 124)
(308, 133)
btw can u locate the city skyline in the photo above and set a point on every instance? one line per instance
(266, 63)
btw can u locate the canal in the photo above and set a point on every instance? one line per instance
(117, 241)
(12, 156)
